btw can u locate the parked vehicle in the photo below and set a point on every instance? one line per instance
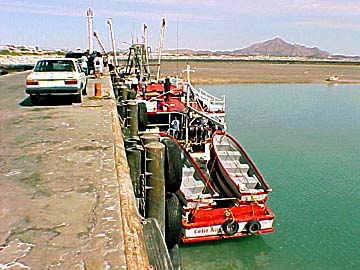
(3, 72)
(56, 76)
(81, 58)
(76, 55)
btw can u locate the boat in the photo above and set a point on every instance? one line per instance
(207, 215)
(234, 172)
(332, 78)
(192, 122)
(209, 212)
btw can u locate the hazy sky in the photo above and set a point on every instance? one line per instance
(332, 25)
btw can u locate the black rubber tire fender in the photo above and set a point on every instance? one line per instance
(230, 227)
(253, 226)
(142, 116)
(175, 257)
(122, 110)
(172, 165)
(172, 220)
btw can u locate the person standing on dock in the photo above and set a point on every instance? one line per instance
(84, 62)
(98, 65)
(111, 62)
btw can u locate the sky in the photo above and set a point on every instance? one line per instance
(331, 25)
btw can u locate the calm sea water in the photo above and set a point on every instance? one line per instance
(305, 139)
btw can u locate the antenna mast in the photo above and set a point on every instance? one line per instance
(144, 40)
(112, 40)
(161, 43)
(177, 50)
(89, 16)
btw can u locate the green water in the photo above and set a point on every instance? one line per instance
(305, 139)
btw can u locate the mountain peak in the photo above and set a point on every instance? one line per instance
(277, 39)
(279, 47)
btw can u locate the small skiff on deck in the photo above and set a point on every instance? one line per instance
(208, 215)
(233, 172)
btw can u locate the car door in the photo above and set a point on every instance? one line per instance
(82, 76)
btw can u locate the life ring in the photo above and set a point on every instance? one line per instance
(230, 227)
(253, 226)
(172, 220)
(172, 166)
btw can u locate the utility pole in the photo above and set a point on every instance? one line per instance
(89, 16)
(112, 40)
(161, 43)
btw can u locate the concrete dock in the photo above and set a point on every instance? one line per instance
(66, 196)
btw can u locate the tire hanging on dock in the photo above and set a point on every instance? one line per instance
(142, 116)
(172, 166)
(253, 226)
(172, 220)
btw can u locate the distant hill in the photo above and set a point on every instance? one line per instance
(278, 47)
(273, 47)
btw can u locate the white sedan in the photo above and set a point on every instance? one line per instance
(56, 76)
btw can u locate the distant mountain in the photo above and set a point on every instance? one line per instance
(278, 47)
(273, 47)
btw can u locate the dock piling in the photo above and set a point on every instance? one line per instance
(155, 204)
(134, 160)
(133, 118)
(124, 92)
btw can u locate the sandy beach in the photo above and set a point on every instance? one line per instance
(230, 72)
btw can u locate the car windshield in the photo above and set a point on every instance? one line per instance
(54, 66)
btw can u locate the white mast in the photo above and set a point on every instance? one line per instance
(89, 16)
(101, 44)
(161, 43)
(188, 88)
(144, 34)
(188, 70)
(112, 40)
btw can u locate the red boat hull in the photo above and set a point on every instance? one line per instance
(208, 224)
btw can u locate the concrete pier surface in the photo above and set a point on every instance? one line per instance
(66, 196)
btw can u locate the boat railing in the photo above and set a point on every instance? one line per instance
(208, 99)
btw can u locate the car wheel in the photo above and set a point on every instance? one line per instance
(34, 98)
(83, 91)
(77, 98)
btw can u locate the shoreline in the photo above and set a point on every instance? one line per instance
(222, 72)
(217, 72)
